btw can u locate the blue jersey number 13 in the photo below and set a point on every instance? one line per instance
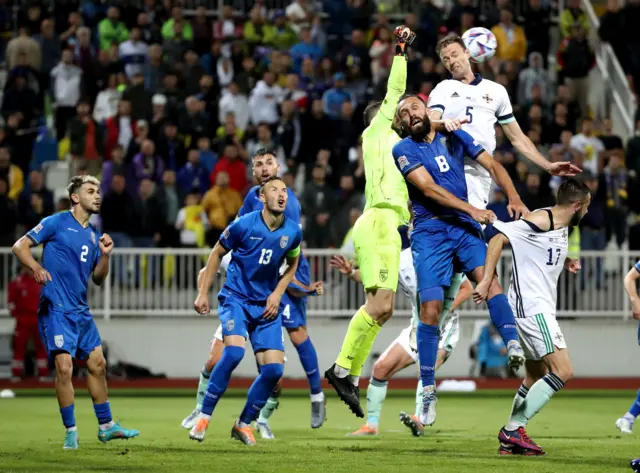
(265, 256)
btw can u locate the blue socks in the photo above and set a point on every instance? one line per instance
(309, 361)
(634, 410)
(220, 376)
(68, 416)
(259, 391)
(103, 413)
(427, 341)
(502, 318)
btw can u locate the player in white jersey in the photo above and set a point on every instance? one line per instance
(539, 244)
(403, 352)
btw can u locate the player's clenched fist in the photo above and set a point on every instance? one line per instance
(318, 286)
(404, 35)
(483, 217)
(106, 244)
(201, 304)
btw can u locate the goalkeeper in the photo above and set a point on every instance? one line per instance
(375, 234)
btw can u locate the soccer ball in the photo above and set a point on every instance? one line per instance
(481, 43)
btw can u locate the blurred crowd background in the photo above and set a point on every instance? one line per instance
(166, 104)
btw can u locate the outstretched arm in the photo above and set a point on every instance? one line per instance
(630, 285)
(500, 176)
(494, 250)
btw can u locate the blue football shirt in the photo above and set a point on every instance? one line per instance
(70, 254)
(258, 253)
(443, 158)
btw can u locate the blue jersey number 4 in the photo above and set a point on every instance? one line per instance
(550, 262)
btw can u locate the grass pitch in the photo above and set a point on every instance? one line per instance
(576, 429)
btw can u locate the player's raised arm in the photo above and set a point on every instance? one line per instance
(101, 270)
(630, 285)
(397, 82)
(494, 249)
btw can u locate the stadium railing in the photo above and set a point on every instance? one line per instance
(162, 283)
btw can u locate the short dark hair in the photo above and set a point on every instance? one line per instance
(448, 41)
(370, 112)
(571, 191)
(271, 179)
(77, 182)
(263, 152)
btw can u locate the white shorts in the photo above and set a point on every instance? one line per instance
(449, 336)
(540, 335)
(478, 190)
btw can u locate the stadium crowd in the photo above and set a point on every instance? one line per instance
(167, 109)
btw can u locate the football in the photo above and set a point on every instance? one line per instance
(481, 43)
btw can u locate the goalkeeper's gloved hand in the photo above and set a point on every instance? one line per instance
(404, 36)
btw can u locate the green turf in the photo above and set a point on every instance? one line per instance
(577, 432)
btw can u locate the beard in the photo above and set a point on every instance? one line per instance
(419, 132)
(575, 219)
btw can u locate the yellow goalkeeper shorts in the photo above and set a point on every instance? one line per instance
(378, 246)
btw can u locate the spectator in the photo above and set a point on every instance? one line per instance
(112, 167)
(318, 204)
(347, 199)
(120, 129)
(280, 35)
(177, 26)
(86, 138)
(310, 81)
(299, 13)
(226, 30)
(381, 53)
(117, 213)
(194, 72)
(207, 157)
(563, 96)
(563, 151)
(149, 216)
(25, 45)
(289, 134)
(171, 148)
(175, 47)
(146, 165)
(35, 201)
(138, 97)
(106, 105)
(295, 93)
(535, 194)
(19, 99)
(193, 176)
(23, 301)
(593, 232)
(512, 43)
(559, 123)
(255, 29)
(11, 174)
(537, 24)
(233, 101)
(111, 30)
(589, 146)
(159, 115)
(151, 32)
(222, 204)
(170, 202)
(67, 86)
(633, 166)
(305, 49)
(68, 29)
(572, 15)
(202, 32)
(133, 53)
(576, 58)
(336, 96)
(264, 140)
(231, 164)
(612, 31)
(463, 6)
(347, 132)
(155, 69)
(141, 134)
(312, 140)
(534, 75)
(615, 175)
(50, 47)
(192, 222)
(612, 143)
(264, 100)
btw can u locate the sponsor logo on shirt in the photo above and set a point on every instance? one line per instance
(38, 228)
(403, 162)
(254, 238)
(455, 95)
(72, 229)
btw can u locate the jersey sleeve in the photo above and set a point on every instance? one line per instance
(246, 207)
(44, 231)
(294, 250)
(396, 87)
(437, 97)
(232, 235)
(637, 266)
(504, 112)
(406, 160)
(471, 147)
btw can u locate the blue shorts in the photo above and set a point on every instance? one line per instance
(243, 318)
(437, 248)
(294, 311)
(75, 334)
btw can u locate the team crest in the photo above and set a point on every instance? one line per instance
(384, 274)
(559, 337)
(59, 340)
(284, 241)
(443, 140)
(93, 238)
(230, 325)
